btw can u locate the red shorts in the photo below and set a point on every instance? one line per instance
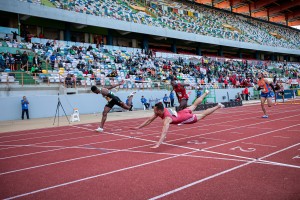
(185, 116)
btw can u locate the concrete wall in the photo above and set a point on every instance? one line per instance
(31, 9)
(44, 105)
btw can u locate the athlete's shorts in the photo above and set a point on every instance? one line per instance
(187, 116)
(182, 105)
(114, 101)
(266, 95)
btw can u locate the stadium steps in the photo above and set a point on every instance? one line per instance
(28, 79)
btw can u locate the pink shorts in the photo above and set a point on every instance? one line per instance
(186, 116)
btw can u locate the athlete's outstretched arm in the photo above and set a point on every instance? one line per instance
(145, 123)
(165, 128)
(113, 86)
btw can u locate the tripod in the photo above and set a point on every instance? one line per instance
(57, 111)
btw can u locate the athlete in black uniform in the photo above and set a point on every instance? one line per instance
(112, 100)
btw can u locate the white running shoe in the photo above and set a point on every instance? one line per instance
(221, 105)
(132, 93)
(206, 91)
(99, 129)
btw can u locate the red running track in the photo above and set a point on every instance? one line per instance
(232, 154)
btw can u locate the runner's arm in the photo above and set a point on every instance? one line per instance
(165, 128)
(147, 122)
(113, 86)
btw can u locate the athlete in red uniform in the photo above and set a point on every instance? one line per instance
(181, 94)
(184, 116)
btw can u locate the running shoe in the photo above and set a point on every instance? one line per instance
(132, 93)
(221, 105)
(265, 116)
(99, 129)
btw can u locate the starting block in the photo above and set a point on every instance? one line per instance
(75, 115)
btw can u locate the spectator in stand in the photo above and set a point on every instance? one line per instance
(24, 103)
(198, 92)
(166, 101)
(225, 83)
(15, 34)
(17, 60)
(53, 60)
(68, 81)
(10, 61)
(2, 60)
(144, 102)
(24, 61)
(36, 65)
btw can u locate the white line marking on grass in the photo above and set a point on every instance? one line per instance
(216, 175)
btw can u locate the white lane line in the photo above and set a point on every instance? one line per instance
(217, 174)
(263, 145)
(151, 128)
(213, 139)
(278, 136)
(34, 133)
(261, 128)
(98, 175)
(58, 148)
(251, 136)
(209, 133)
(128, 137)
(47, 136)
(62, 161)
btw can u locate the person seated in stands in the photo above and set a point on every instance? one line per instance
(68, 80)
(36, 65)
(113, 74)
(6, 38)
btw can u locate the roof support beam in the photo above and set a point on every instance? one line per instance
(283, 7)
(294, 23)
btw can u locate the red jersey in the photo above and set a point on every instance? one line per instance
(180, 92)
(184, 116)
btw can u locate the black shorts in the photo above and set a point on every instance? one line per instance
(114, 101)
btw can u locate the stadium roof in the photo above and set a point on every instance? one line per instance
(285, 12)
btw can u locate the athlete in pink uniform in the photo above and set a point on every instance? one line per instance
(184, 116)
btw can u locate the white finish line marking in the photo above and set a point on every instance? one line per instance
(217, 174)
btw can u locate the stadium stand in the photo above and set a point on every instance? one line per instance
(187, 18)
(85, 65)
